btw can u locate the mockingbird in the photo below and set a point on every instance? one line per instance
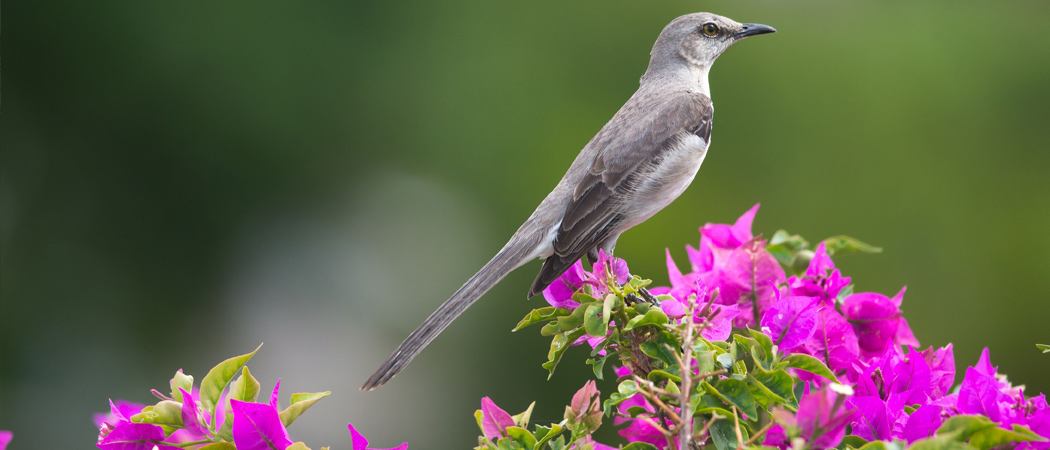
(638, 163)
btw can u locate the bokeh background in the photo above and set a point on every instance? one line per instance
(184, 180)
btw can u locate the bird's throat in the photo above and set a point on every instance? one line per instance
(699, 75)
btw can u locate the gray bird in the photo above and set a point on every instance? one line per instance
(638, 163)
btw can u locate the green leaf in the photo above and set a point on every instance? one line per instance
(594, 323)
(574, 320)
(559, 345)
(657, 376)
(745, 342)
(734, 392)
(852, 441)
(480, 416)
(180, 380)
(790, 241)
(550, 329)
(245, 388)
(809, 364)
(553, 431)
(624, 391)
(663, 347)
(165, 412)
(222, 446)
(522, 419)
(846, 244)
(705, 361)
(939, 442)
(639, 308)
(297, 446)
(526, 439)
(218, 377)
(725, 360)
(508, 444)
(1045, 348)
(582, 297)
(654, 316)
(611, 303)
(724, 435)
(540, 315)
(558, 444)
(800, 262)
(710, 404)
(771, 387)
(639, 446)
(597, 365)
(845, 292)
(766, 344)
(300, 403)
(879, 445)
(984, 434)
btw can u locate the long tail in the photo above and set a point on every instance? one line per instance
(517, 252)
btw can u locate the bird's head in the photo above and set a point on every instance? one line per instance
(696, 40)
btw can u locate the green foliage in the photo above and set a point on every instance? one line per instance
(179, 412)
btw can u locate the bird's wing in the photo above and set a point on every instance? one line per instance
(627, 146)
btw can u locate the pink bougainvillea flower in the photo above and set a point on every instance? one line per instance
(494, 421)
(731, 236)
(134, 436)
(942, 370)
(884, 386)
(720, 322)
(559, 293)
(983, 391)
(790, 321)
(874, 421)
(748, 280)
(821, 279)
(876, 319)
(639, 429)
(822, 417)
(119, 411)
(584, 413)
(358, 442)
(257, 426)
(922, 423)
(5, 438)
(833, 341)
(275, 393)
(717, 239)
(117, 432)
(586, 400)
(191, 416)
(683, 285)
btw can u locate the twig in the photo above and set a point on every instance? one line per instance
(736, 428)
(652, 423)
(759, 434)
(707, 426)
(685, 364)
(655, 399)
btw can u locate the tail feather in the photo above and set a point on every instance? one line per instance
(553, 267)
(512, 256)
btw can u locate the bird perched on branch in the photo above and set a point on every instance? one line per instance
(636, 165)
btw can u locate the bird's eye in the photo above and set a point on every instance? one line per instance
(709, 29)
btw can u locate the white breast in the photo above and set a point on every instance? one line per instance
(666, 181)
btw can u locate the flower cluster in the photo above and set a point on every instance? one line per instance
(826, 363)
(221, 413)
(583, 416)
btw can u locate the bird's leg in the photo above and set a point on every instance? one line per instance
(649, 297)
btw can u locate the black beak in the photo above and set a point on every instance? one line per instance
(751, 29)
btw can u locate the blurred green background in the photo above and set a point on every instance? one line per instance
(184, 180)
